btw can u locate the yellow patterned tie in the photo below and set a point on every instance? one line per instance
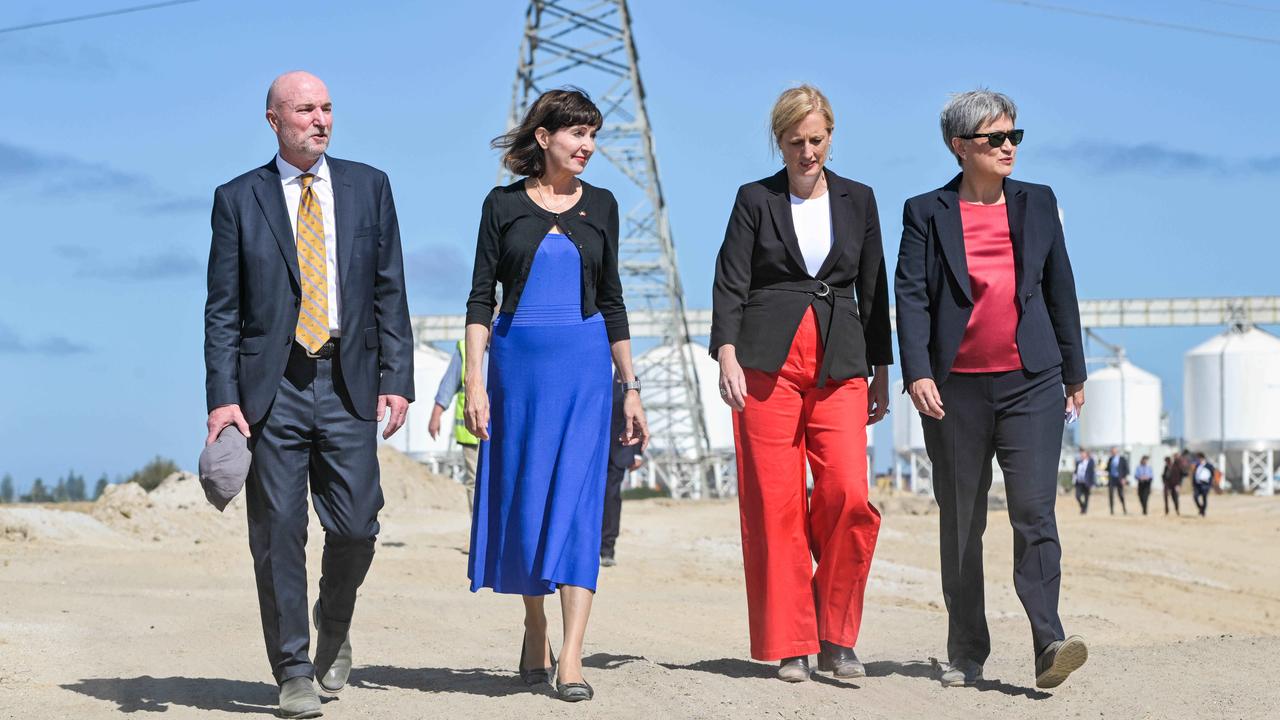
(313, 320)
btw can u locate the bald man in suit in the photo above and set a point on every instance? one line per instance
(307, 347)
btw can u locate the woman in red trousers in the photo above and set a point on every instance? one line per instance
(800, 320)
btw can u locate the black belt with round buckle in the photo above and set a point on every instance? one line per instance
(826, 294)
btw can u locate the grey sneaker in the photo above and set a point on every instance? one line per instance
(298, 699)
(960, 673)
(794, 669)
(607, 561)
(1059, 660)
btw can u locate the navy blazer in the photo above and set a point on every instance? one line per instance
(254, 291)
(934, 299)
(1090, 473)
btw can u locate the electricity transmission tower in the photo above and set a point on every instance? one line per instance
(588, 43)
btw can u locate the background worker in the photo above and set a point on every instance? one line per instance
(451, 389)
(1117, 476)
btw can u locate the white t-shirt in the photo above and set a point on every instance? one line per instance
(812, 220)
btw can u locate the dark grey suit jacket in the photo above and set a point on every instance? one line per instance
(934, 299)
(254, 291)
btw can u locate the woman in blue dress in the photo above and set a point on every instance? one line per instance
(552, 241)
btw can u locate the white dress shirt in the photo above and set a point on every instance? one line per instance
(322, 186)
(812, 221)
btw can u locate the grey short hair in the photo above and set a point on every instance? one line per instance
(965, 112)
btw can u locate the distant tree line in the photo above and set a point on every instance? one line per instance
(72, 487)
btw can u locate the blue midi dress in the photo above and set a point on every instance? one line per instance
(540, 483)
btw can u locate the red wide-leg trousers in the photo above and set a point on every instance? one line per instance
(790, 605)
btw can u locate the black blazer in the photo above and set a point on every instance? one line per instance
(512, 226)
(762, 288)
(934, 299)
(254, 296)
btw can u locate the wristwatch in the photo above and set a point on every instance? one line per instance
(631, 385)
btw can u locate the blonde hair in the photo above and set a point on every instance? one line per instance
(794, 105)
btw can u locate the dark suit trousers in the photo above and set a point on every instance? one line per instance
(1017, 418)
(310, 441)
(612, 508)
(1082, 497)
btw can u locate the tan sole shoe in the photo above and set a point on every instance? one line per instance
(1068, 656)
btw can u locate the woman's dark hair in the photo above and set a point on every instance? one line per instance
(553, 110)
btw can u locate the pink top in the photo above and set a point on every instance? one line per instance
(990, 341)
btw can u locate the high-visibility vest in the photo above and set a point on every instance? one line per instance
(460, 432)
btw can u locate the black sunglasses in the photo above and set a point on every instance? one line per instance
(996, 139)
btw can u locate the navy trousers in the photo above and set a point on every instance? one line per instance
(310, 442)
(1017, 418)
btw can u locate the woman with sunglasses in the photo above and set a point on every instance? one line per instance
(800, 318)
(989, 334)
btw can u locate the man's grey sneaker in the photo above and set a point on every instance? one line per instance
(607, 561)
(960, 673)
(298, 699)
(1059, 660)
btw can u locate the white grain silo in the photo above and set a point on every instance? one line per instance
(1230, 399)
(1122, 408)
(908, 442)
(413, 439)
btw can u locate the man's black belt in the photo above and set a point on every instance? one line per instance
(325, 351)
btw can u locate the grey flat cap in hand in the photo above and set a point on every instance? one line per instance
(224, 465)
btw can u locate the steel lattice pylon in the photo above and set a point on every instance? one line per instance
(588, 43)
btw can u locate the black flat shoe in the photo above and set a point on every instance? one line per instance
(840, 661)
(575, 692)
(536, 676)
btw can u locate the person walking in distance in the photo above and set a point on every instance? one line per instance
(1202, 483)
(1117, 476)
(1171, 477)
(1144, 475)
(307, 347)
(622, 458)
(452, 389)
(1084, 479)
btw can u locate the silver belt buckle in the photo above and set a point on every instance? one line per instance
(826, 290)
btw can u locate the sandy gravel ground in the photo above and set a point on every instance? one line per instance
(103, 615)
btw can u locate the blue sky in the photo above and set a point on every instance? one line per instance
(1160, 144)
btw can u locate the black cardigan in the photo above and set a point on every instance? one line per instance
(511, 229)
(762, 288)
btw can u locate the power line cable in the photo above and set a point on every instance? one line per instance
(94, 16)
(1244, 6)
(1143, 21)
